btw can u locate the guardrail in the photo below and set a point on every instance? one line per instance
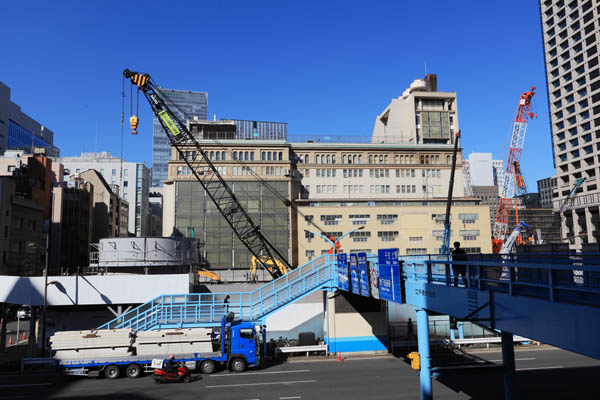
(568, 279)
(301, 349)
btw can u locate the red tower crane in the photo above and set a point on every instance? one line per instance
(512, 177)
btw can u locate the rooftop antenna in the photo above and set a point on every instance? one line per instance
(425, 62)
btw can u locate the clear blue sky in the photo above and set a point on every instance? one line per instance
(326, 68)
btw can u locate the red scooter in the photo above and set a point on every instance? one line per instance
(182, 374)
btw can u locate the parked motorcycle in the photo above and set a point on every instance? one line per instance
(183, 374)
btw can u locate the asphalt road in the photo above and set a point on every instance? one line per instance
(542, 373)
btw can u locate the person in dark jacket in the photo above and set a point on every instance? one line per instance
(459, 254)
(171, 365)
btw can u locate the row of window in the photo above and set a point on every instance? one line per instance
(373, 173)
(237, 171)
(374, 159)
(236, 155)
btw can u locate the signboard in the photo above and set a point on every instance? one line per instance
(374, 280)
(363, 274)
(342, 271)
(354, 273)
(389, 275)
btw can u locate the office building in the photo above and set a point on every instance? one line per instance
(187, 209)
(106, 206)
(570, 34)
(131, 184)
(186, 104)
(422, 115)
(546, 189)
(71, 229)
(260, 130)
(18, 131)
(22, 240)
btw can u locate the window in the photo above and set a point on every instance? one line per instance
(246, 333)
(416, 251)
(415, 238)
(331, 219)
(387, 236)
(360, 236)
(360, 219)
(387, 219)
(310, 254)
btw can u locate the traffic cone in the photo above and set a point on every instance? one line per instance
(339, 357)
(24, 337)
(10, 341)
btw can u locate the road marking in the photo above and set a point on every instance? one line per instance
(517, 359)
(537, 368)
(291, 397)
(261, 373)
(29, 384)
(260, 383)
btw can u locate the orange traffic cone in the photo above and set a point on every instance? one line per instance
(10, 341)
(339, 358)
(24, 337)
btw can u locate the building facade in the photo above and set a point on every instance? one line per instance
(18, 131)
(188, 104)
(188, 210)
(133, 183)
(72, 224)
(570, 34)
(260, 130)
(422, 115)
(22, 240)
(546, 189)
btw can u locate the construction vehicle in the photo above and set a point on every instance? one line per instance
(247, 231)
(209, 274)
(117, 352)
(566, 205)
(275, 267)
(513, 181)
(509, 245)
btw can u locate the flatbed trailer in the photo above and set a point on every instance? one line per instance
(239, 349)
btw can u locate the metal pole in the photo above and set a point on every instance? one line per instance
(423, 342)
(508, 359)
(461, 329)
(45, 299)
(18, 322)
(3, 327)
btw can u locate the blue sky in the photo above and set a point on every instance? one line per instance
(326, 68)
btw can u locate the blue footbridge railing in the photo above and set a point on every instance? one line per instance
(207, 309)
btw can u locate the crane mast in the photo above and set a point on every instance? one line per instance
(207, 175)
(509, 189)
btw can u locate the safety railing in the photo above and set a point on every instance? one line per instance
(576, 280)
(186, 310)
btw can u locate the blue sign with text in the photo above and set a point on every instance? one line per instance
(354, 273)
(389, 275)
(363, 274)
(342, 271)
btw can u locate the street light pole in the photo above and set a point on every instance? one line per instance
(333, 244)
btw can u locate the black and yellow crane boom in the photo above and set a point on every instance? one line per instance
(208, 176)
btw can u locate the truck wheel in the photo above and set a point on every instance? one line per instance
(207, 367)
(133, 371)
(238, 365)
(112, 372)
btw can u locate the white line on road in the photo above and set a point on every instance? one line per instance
(261, 373)
(291, 397)
(260, 383)
(537, 368)
(25, 385)
(517, 359)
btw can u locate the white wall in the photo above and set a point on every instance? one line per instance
(480, 166)
(91, 289)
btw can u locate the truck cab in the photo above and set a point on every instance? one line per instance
(241, 344)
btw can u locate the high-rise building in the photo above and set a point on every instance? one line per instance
(186, 104)
(546, 189)
(18, 131)
(570, 31)
(132, 186)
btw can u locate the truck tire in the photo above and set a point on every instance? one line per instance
(207, 366)
(133, 371)
(238, 364)
(112, 372)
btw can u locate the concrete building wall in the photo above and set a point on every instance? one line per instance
(105, 205)
(571, 35)
(481, 168)
(412, 227)
(134, 184)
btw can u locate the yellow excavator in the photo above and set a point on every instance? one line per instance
(209, 274)
(277, 270)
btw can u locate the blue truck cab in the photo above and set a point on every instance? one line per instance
(240, 345)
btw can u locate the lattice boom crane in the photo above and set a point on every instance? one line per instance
(517, 139)
(207, 175)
